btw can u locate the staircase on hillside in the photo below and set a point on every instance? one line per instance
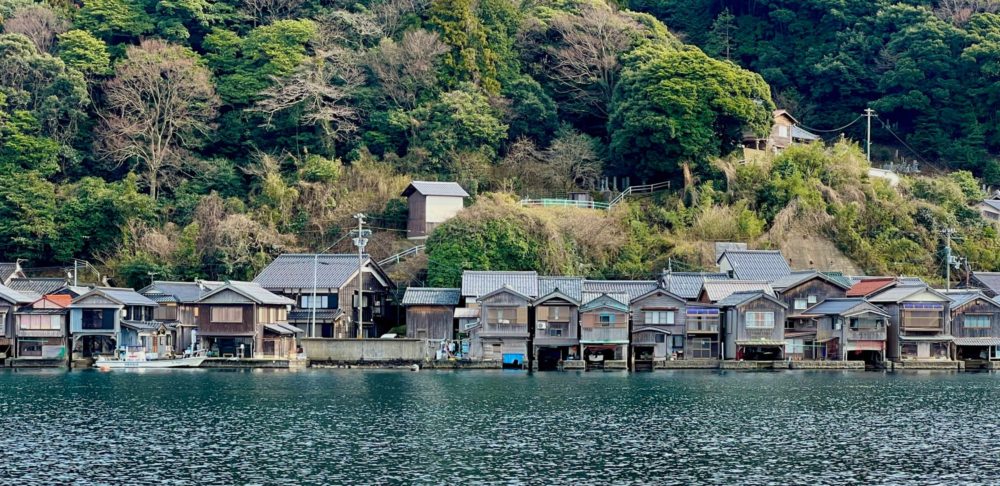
(394, 259)
(574, 203)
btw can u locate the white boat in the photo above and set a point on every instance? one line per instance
(134, 359)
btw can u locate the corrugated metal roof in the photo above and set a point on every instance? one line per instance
(126, 296)
(977, 341)
(431, 296)
(37, 285)
(800, 133)
(896, 294)
(687, 285)
(430, 188)
(184, 292)
(739, 298)
(720, 289)
(570, 286)
(631, 288)
(295, 271)
(13, 296)
(476, 283)
(252, 291)
(767, 265)
(867, 286)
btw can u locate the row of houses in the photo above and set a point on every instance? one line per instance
(754, 308)
(46, 320)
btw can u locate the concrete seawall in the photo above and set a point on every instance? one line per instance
(326, 350)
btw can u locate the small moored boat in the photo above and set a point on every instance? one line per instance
(133, 359)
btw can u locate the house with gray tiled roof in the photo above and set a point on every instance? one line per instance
(765, 265)
(713, 291)
(919, 322)
(476, 283)
(975, 325)
(604, 331)
(988, 282)
(37, 287)
(430, 312)
(847, 328)
(177, 303)
(324, 288)
(243, 319)
(688, 284)
(557, 321)
(430, 204)
(106, 318)
(753, 326)
(10, 300)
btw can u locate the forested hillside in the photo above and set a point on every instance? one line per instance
(199, 138)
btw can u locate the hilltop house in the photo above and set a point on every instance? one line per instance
(42, 329)
(753, 326)
(848, 328)
(324, 292)
(430, 204)
(178, 307)
(989, 209)
(242, 319)
(988, 282)
(430, 312)
(503, 300)
(9, 302)
(785, 131)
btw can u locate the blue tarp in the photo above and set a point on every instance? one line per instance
(511, 358)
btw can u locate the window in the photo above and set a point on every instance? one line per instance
(555, 331)
(320, 302)
(43, 323)
(678, 342)
(660, 337)
(95, 319)
(976, 321)
(227, 314)
(558, 313)
(801, 304)
(606, 319)
(760, 320)
(838, 323)
(813, 299)
(659, 317)
(783, 130)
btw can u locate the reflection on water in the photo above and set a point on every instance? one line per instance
(337, 427)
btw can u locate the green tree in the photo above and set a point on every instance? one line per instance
(471, 58)
(458, 121)
(114, 21)
(82, 51)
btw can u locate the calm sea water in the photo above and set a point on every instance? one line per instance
(361, 427)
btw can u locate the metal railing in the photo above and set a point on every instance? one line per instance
(603, 334)
(866, 334)
(702, 326)
(497, 329)
(394, 259)
(568, 203)
(640, 189)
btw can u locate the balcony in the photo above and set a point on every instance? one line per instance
(866, 334)
(504, 329)
(704, 327)
(555, 332)
(935, 324)
(226, 329)
(604, 334)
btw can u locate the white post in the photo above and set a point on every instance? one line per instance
(869, 113)
(312, 301)
(360, 242)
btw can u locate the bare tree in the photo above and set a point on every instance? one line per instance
(391, 14)
(321, 87)
(160, 104)
(38, 23)
(339, 28)
(586, 62)
(575, 158)
(406, 68)
(959, 12)
(267, 11)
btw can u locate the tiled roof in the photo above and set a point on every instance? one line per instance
(795, 279)
(431, 296)
(125, 296)
(897, 294)
(594, 300)
(993, 203)
(141, 325)
(476, 283)
(429, 188)
(38, 285)
(767, 265)
(252, 291)
(990, 280)
(739, 298)
(13, 296)
(841, 306)
(687, 285)
(722, 246)
(570, 286)
(720, 289)
(306, 315)
(619, 296)
(631, 288)
(295, 271)
(964, 296)
(184, 292)
(868, 286)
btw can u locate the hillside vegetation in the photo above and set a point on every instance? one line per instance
(200, 138)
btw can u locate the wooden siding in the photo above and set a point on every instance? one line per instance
(977, 307)
(246, 326)
(375, 292)
(736, 329)
(569, 324)
(816, 286)
(416, 223)
(430, 322)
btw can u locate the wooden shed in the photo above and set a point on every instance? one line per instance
(430, 312)
(430, 204)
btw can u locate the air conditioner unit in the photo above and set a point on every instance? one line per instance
(504, 321)
(542, 325)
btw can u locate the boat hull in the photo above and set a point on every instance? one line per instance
(159, 363)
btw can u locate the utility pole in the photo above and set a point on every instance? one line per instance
(360, 241)
(947, 232)
(869, 113)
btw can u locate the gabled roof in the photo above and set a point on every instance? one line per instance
(605, 300)
(13, 296)
(10, 269)
(795, 279)
(121, 296)
(619, 296)
(868, 286)
(843, 307)
(295, 271)
(571, 286)
(989, 280)
(41, 286)
(993, 203)
(964, 296)
(717, 290)
(659, 290)
(736, 299)
(557, 294)
(723, 246)
(431, 296)
(252, 291)
(631, 288)
(477, 283)
(903, 292)
(688, 284)
(800, 133)
(504, 289)
(182, 292)
(429, 188)
(767, 265)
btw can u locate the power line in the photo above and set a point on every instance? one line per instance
(840, 129)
